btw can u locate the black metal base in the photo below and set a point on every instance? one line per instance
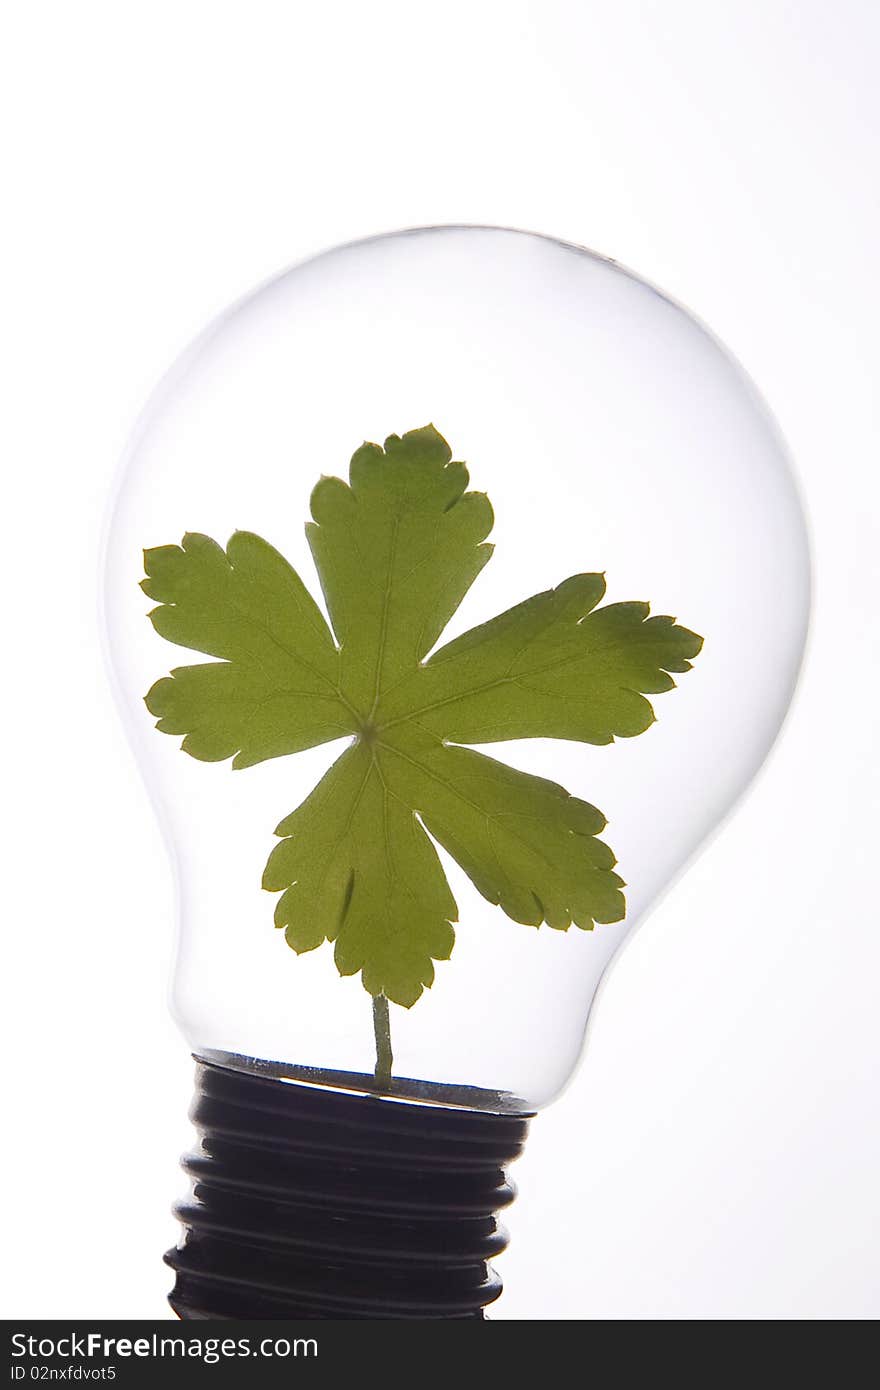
(309, 1202)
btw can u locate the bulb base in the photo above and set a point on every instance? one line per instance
(310, 1202)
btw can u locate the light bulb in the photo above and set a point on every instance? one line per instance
(352, 1148)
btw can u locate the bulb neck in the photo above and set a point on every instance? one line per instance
(310, 1202)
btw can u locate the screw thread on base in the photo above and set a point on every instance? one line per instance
(309, 1202)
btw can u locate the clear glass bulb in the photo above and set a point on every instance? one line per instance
(613, 433)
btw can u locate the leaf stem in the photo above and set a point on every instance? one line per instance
(382, 1031)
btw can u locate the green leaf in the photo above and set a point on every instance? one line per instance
(277, 689)
(553, 667)
(396, 550)
(358, 869)
(524, 842)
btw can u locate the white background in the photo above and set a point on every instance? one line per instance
(717, 1154)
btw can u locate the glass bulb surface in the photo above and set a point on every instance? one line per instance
(612, 433)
